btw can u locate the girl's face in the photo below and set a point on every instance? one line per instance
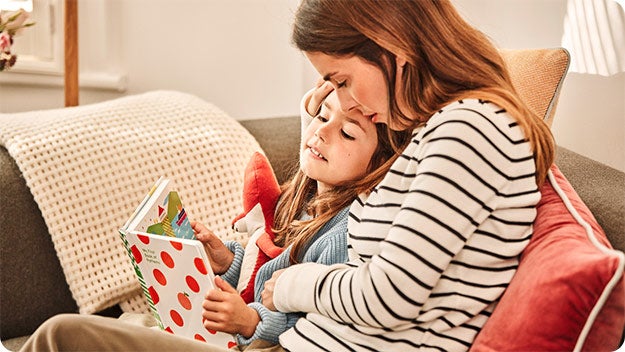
(360, 85)
(336, 146)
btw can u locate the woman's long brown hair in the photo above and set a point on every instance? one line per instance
(446, 59)
(299, 195)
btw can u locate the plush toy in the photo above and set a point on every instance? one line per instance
(260, 197)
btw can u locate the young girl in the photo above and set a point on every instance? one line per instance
(341, 155)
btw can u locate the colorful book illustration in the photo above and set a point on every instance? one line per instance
(171, 265)
(161, 212)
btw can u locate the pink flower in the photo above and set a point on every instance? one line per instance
(13, 22)
(5, 42)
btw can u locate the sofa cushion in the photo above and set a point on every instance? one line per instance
(569, 291)
(537, 75)
(89, 166)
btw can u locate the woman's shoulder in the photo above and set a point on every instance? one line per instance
(470, 107)
(487, 118)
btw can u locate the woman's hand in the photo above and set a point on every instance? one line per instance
(267, 294)
(219, 255)
(322, 89)
(224, 310)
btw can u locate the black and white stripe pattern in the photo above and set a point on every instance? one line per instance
(433, 248)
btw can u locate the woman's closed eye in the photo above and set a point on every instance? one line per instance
(322, 118)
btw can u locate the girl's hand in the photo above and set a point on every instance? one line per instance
(224, 310)
(219, 255)
(322, 89)
(267, 294)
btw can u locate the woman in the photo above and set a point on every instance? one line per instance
(433, 247)
(437, 242)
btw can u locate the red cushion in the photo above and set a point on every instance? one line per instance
(562, 276)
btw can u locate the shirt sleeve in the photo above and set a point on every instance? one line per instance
(306, 118)
(430, 228)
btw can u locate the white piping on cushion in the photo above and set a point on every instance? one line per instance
(556, 94)
(618, 274)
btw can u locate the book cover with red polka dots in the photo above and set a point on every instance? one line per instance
(175, 274)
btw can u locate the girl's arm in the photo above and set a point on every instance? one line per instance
(451, 192)
(329, 247)
(231, 276)
(225, 258)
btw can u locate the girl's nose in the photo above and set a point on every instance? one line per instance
(320, 133)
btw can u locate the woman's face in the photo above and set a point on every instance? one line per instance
(360, 86)
(337, 147)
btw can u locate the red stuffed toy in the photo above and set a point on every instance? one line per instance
(260, 197)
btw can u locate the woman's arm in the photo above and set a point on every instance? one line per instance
(329, 246)
(457, 169)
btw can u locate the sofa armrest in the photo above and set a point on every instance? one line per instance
(602, 188)
(33, 286)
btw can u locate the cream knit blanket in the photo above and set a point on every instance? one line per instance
(88, 167)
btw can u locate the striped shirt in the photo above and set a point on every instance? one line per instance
(431, 249)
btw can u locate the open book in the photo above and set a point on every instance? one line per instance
(171, 265)
(161, 212)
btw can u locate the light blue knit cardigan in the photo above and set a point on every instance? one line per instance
(328, 246)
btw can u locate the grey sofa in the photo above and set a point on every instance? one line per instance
(33, 286)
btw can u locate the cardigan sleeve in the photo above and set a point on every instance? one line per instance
(329, 246)
(231, 276)
(451, 152)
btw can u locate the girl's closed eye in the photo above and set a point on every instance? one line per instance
(341, 84)
(347, 135)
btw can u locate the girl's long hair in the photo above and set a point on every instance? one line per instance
(299, 195)
(447, 59)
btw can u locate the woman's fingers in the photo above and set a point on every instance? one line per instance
(322, 90)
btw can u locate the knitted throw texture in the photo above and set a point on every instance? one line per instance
(88, 167)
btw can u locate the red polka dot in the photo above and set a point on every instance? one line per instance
(136, 253)
(167, 259)
(143, 238)
(176, 317)
(199, 337)
(199, 264)
(154, 295)
(176, 245)
(160, 277)
(192, 283)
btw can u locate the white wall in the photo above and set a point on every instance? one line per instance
(590, 117)
(234, 53)
(237, 54)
